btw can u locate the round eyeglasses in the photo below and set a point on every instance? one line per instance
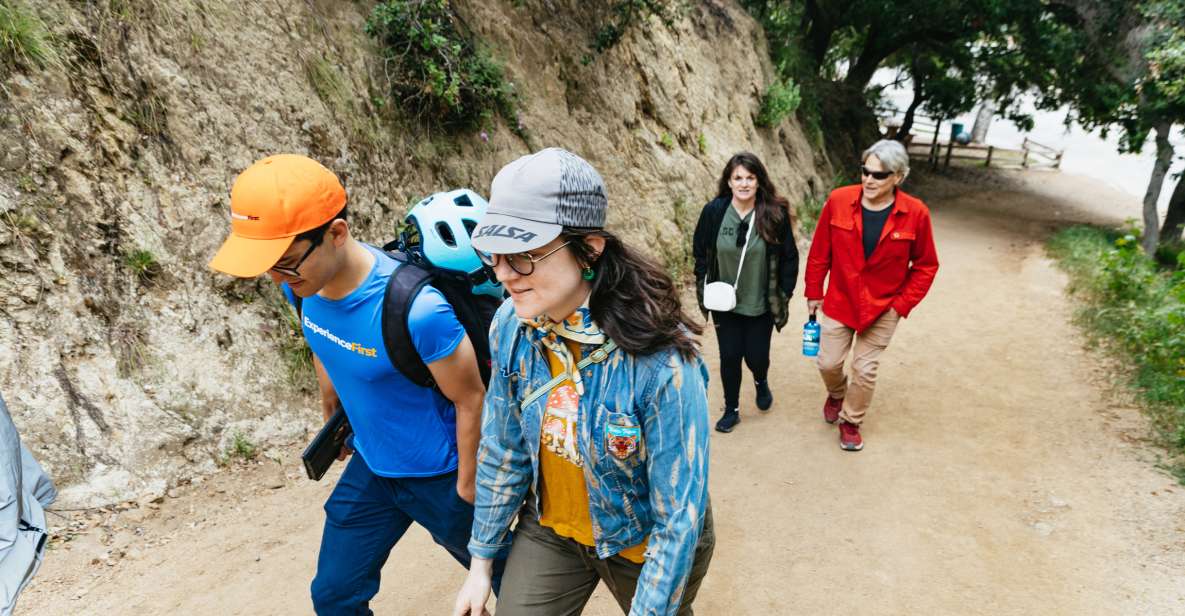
(523, 263)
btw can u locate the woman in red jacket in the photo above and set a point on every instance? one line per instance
(876, 243)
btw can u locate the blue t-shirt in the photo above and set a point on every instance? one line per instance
(400, 428)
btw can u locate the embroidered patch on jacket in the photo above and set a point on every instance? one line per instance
(559, 424)
(622, 441)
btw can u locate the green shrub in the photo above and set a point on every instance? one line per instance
(24, 39)
(242, 448)
(625, 12)
(807, 213)
(702, 142)
(1137, 310)
(142, 263)
(675, 251)
(780, 100)
(434, 69)
(295, 353)
(667, 141)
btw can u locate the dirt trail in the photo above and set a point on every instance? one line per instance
(999, 476)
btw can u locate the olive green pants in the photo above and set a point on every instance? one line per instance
(550, 575)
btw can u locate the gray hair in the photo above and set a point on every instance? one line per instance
(891, 154)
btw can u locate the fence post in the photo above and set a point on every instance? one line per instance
(988, 162)
(1057, 162)
(950, 146)
(1025, 162)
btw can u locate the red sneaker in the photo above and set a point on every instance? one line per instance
(831, 409)
(849, 437)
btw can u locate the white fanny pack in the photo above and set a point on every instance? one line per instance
(721, 296)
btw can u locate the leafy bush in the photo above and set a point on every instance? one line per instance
(807, 213)
(434, 68)
(143, 264)
(675, 251)
(1137, 310)
(624, 14)
(24, 39)
(241, 447)
(780, 100)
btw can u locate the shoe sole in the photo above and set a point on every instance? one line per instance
(830, 421)
(851, 448)
(722, 430)
(765, 408)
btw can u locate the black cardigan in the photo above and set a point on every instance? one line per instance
(783, 258)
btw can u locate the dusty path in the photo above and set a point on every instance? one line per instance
(999, 477)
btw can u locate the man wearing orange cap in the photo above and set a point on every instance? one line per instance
(416, 445)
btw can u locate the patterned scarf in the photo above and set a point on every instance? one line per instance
(579, 326)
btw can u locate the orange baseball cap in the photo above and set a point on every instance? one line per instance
(271, 203)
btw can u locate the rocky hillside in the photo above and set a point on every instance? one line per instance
(129, 365)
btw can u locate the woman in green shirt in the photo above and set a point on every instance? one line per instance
(747, 218)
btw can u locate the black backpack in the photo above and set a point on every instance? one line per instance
(474, 312)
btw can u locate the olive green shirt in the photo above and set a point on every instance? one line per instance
(751, 289)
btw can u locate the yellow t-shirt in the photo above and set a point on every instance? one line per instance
(563, 495)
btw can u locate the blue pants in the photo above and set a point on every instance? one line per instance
(366, 516)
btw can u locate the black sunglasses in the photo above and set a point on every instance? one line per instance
(879, 175)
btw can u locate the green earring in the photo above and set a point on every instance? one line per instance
(588, 273)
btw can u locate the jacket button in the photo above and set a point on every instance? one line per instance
(896, 235)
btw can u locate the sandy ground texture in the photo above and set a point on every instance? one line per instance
(1001, 474)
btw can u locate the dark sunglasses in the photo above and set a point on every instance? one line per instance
(879, 175)
(523, 263)
(293, 271)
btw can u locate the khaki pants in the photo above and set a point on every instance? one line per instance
(550, 575)
(835, 340)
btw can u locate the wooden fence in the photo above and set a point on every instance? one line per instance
(924, 143)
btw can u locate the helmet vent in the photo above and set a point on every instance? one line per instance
(446, 234)
(463, 200)
(469, 226)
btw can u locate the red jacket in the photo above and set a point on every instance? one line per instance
(898, 274)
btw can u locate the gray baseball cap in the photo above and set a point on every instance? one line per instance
(533, 198)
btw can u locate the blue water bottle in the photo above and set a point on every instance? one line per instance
(810, 337)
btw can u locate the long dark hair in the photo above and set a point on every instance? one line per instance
(633, 300)
(772, 208)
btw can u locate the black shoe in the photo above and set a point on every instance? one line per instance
(765, 397)
(731, 418)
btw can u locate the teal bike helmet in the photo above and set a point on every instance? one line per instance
(439, 228)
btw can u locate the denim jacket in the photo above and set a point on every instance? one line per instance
(659, 490)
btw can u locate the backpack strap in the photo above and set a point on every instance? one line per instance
(403, 287)
(598, 355)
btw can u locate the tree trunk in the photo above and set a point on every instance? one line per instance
(1174, 221)
(861, 72)
(911, 111)
(1164, 158)
(983, 120)
(819, 27)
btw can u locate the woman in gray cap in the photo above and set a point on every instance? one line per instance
(594, 431)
